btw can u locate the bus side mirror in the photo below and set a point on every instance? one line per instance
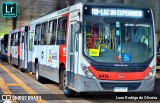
(78, 27)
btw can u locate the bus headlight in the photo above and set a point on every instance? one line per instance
(152, 73)
(87, 72)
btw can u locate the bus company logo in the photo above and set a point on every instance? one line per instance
(121, 76)
(54, 56)
(50, 56)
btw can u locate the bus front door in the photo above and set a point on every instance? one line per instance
(73, 54)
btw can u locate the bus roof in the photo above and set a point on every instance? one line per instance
(113, 5)
(57, 13)
(79, 6)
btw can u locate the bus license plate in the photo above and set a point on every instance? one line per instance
(120, 89)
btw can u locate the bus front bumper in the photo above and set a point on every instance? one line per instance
(86, 84)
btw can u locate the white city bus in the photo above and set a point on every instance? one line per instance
(94, 47)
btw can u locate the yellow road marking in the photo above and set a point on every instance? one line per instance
(12, 84)
(5, 89)
(22, 84)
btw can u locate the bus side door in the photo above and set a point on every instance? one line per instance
(25, 47)
(22, 49)
(73, 58)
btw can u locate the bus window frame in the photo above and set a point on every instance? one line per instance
(37, 42)
(52, 30)
(46, 29)
(59, 31)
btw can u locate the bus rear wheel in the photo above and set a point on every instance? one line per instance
(37, 76)
(23, 70)
(67, 92)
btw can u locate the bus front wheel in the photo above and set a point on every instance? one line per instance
(67, 92)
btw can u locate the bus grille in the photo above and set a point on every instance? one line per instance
(111, 86)
(120, 69)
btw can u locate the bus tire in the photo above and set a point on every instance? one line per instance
(37, 76)
(11, 61)
(23, 70)
(1, 57)
(67, 92)
(61, 80)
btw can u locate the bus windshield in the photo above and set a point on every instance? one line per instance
(118, 41)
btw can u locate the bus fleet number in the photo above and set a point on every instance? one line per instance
(103, 76)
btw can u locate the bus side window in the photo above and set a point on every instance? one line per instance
(22, 40)
(12, 39)
(18, 39)
(30, 41)
(44, 33)
(51, 37)
(61, 31)
(37, 34)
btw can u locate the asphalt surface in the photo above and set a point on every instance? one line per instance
(54, 95)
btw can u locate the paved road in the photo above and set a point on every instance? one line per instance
(20, 88)
(50, 87)
(100, 98)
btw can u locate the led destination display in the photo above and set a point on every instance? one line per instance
(117, 12)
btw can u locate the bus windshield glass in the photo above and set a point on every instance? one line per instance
(119, 40)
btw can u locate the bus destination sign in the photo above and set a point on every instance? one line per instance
(117, 12)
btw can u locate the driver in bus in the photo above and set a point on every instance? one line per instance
(93, 41)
